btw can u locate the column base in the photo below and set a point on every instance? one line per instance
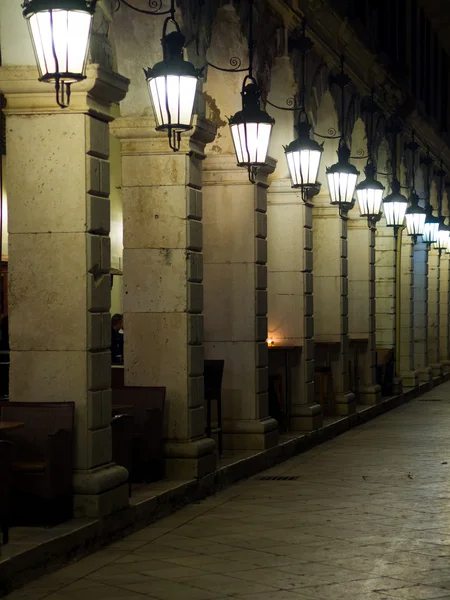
(306, 417)
(446, 366)
(191, 459)
(410, 378)
(436, 369)
(370, 394)
(345, 404)
(255, 434)
(397, 386)
(425, 375)
(100, 491)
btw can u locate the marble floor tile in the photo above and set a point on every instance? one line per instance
(368, 519)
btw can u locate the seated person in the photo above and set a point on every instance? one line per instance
(117, 339)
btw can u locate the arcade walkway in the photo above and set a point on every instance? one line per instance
(365, 516)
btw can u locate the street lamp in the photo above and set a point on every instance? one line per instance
(251, 127)
(443, 236)
(60, 31)
(415, 216)
(370, 193)
(431, 227)
(342, 178)
(303, 157)
(172, 85)
(394, 206)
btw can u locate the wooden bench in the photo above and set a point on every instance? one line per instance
(146, 406)
(42, 460)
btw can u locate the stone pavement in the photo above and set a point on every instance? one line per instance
(367, 517)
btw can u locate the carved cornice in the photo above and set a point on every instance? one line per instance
(98, 94)
(332, 35)
(138, 136)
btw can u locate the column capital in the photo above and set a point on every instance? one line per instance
(222, 169)
(139, 136)
(96, 95)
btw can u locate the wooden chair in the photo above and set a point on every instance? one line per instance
(42, 460)
(146, 406)
(324, 391)
(122, 428)
(5, 487)
(213, 373)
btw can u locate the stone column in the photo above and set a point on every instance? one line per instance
(361, 293)
(290, 290)
(433, 312)
(59, 261)
(385, 287)
(163, 290)
(235, 257)
(331, 295)
(421, 312)
(444, 321)
(408, 374)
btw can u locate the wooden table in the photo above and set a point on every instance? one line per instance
(117, 407)
(287, 374)
(10, 425)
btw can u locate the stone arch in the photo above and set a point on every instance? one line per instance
(358, 149)
(222, 90)
(327, 120)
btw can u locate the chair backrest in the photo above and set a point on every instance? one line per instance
(140, 400)
(213, 373)
(5, 475)
(117, 377)
(122, 428)
(40, 420)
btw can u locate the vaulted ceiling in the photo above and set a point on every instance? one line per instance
(439, 13)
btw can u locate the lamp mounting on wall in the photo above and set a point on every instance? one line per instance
(431, 228)
(172, 85)
(251, 127)
(443, 236)
(370, 191)
(415, 214)
(60, 32)
(395, 204)
(303, 154)
(342, 176)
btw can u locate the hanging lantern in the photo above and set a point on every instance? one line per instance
(443, 236)
(342, 178)
(303, 158)
(431, 227)
(415, 216)
(394, 206)
(370, 193)
(172, 85)
(60, 32)
(251, 128)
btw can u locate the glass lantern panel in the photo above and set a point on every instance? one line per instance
(369, 202)
(68, 32)
(303, 166)
(430, 232)
(394, 213)
(251, 142)
(173, 98)
(442, 240)
(341, 187)
(415, 223)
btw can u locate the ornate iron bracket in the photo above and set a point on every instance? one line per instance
(236, 64)
(154, 5)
